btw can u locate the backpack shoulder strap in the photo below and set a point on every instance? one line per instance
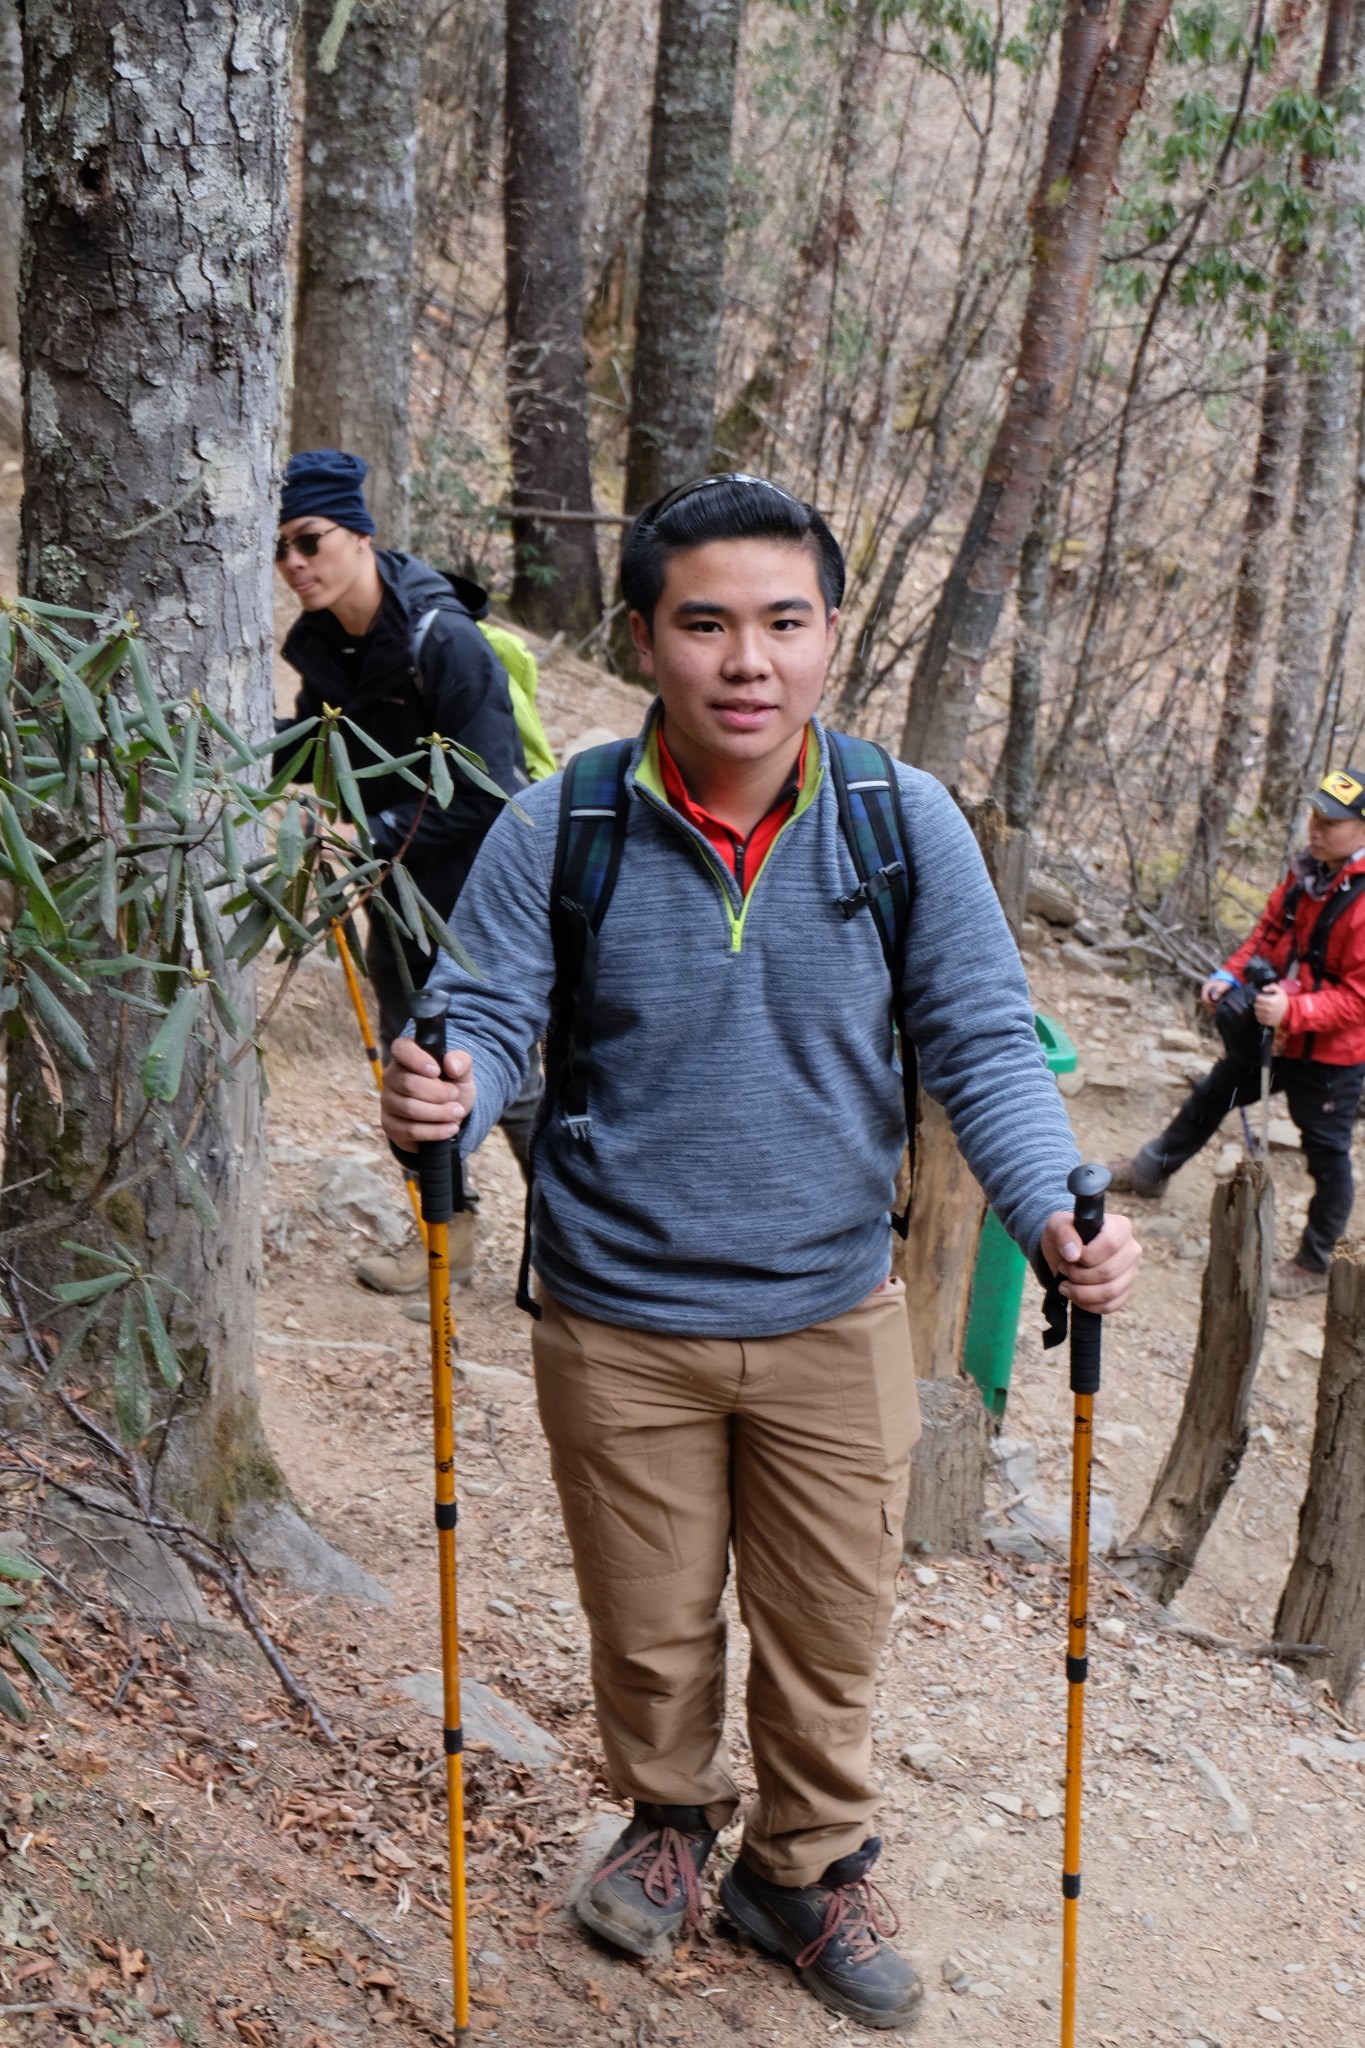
(593, 812)
(873, 824)
(1337, 904)
(419, 634)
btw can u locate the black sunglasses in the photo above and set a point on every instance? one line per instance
(306, 543)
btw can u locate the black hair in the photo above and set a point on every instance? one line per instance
(730, 507)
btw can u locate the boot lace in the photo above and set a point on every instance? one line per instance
(859, 1912)
(662, 1861)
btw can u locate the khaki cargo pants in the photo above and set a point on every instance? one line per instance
(668, 1453)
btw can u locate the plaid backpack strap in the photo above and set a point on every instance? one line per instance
(873, 825)
(592, 836)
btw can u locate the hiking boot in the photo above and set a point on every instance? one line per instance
(405, 1272)
(1290, 1279)
(649, 1885)
(835, 1933)
(1129, 1177)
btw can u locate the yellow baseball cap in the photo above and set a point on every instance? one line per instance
(1340, 794)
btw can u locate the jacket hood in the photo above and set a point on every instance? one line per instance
(420, 588)
(414, 583)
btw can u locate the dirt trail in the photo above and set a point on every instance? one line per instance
(1193, 1930)
(249, 1884)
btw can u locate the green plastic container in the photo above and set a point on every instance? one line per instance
(1001, 1270)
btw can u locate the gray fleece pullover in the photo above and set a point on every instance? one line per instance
(745, 1096)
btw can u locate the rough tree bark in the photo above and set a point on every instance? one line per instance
(11, 172)
(1100, 83)
(1189, 894)
(1211, 1435)
(154, 221)
(748, 420)
(937, 1261)
(556, 583)
(682, 262)
(353, 323)
(1016, 773)
(1324, 1596)
(1328, 387)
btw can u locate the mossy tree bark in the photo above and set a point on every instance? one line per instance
(156, 181)
(556, 582)
(682, 264)
(353, 327)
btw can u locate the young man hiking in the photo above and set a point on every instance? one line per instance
(722, 1361)
(1312, 934)
(357, 646)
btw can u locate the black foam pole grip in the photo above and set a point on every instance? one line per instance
(1086, 1186)
(435, 1162)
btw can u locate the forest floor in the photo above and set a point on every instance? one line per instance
(182, 1858)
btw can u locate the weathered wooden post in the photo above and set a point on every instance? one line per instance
(1211, 1435)
(937, 1260)
(1324, 1596)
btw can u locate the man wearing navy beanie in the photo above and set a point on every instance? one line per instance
(398, 647)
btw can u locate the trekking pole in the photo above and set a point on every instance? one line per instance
(371, 1051)
(1087, 1184)
(442, 1185)
(1267, 1052)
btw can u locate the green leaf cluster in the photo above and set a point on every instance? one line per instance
(148, 853)
(23, 1667)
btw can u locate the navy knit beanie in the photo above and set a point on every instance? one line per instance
(324, 483)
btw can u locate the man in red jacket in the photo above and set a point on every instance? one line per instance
(1312, 932)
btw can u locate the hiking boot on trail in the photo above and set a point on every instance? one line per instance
(1131, 1177)
(649, 1886)
(405, 1272)
(835, 1933)
(1289, 1280)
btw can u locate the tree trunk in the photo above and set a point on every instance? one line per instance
(556, 583)
(947, 1498)
(747, 420)
(154, 212)
(1211, 1435)
(682, 264)
(1324, 735)
(938, 1258)
(1189, 895)
(1016, 774)
(948, 1485)
(353, 324)
(1099, 86)
(1327, 394)
(11, 173)
(1324, 1596)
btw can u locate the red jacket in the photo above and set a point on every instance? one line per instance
(1326, 1023)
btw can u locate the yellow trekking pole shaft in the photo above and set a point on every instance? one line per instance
(371, 1049)
(442, 1193)
(1087, 1184)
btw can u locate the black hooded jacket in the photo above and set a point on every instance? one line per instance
(461, 692)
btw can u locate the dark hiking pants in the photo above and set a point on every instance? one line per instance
(1321, 1099)
(518, 1119)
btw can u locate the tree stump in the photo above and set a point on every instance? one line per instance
(1324, 1596)
(937, 1261)
(1211, 1435)
(938, 1258)
(943, 1515)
